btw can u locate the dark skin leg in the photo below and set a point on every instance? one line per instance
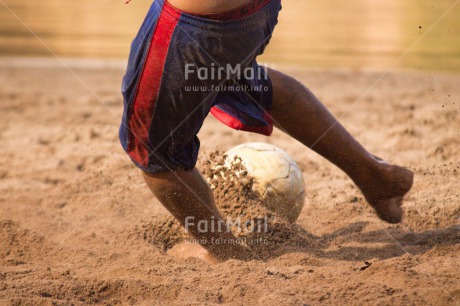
(194, 200)
(301, 115)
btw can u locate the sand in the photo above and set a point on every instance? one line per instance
(79, 226)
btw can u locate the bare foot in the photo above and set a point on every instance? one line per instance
(187, 250)
(385, 192)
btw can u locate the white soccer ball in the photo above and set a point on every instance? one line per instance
(277, 178)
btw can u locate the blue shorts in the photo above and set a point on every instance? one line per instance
(183, 66)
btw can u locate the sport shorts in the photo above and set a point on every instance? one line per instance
(184, 66)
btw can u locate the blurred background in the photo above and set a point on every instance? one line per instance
(368, 34)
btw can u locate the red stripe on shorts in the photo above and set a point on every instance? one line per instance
(236, 124)
(149, 86)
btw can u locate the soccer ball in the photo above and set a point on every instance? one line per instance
(277, 178)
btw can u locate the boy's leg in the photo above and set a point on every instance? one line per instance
(185, 194)
(301, 115)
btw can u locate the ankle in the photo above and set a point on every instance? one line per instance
(365, 171)
(371, 174)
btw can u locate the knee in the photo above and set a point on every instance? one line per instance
(175, 179)
(285, 88)
(157, 180)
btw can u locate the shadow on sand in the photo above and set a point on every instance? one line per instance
(352, 243)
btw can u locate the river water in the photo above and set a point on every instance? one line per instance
(405, 34)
